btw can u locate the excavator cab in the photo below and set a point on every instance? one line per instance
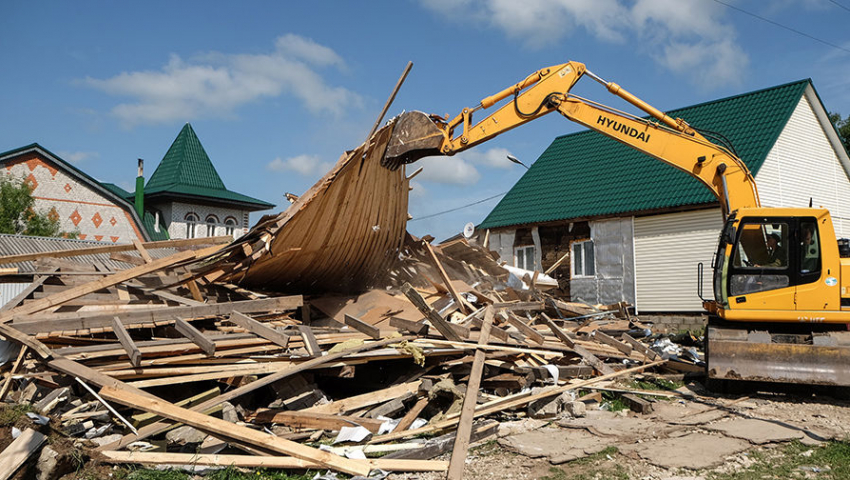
(773, 266)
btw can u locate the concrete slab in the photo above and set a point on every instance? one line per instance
(758, 431)
(623, 428)
(558, 445)
(694, 451)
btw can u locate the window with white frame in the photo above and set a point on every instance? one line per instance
(211, 223)
(583, 261)
(191, 224)
(229, 226)
(524, 257)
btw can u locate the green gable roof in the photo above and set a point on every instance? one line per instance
(186, 170)
(586, 174)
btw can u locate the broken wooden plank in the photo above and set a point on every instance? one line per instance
(309, 340)
(79, 291)
(73, 252)
(470, 400)
(365, 400)
(440, 445)
(411, 414)
(19, 451)
(250, 387)
(446, 280)
(258, 461)
(85, 320)
(523, 328)
(637, 404)
(432, 315)
(640, 347)
(362, 327)
(195, 336)
(226, 430)
(418, 328)
(7, 384)
(590, 358)
(259, 329)
(129, 345)
(609, 340)
(312, 420)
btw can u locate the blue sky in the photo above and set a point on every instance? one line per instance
(276, 91)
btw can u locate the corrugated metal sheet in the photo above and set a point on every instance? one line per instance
(21, 244)
(9, 291)
(667, 251)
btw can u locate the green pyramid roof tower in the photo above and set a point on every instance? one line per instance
(186, 171)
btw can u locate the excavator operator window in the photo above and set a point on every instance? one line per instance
(760, 261)
(809, 249)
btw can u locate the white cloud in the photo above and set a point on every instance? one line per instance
(419, 190)
(77, 157)
(674, 27)
(494, 157)
(453, 170)
(216, 84)
(307, 165)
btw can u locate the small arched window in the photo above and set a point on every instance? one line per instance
(212, 221)
(229, 226)
(191, 225)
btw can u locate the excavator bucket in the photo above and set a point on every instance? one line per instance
(415, 135)
(761, 356)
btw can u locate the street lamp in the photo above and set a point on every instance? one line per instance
(516, 160)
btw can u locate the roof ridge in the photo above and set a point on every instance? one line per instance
(186, 163)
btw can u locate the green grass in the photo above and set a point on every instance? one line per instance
(232, 473)
(614, 402)
(10, 414)
(147, 474)
(832, 458)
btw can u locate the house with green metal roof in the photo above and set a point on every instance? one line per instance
(188, 197)
(627, 227)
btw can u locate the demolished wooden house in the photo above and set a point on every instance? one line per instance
(326, 322)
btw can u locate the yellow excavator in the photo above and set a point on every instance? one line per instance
(779, 314)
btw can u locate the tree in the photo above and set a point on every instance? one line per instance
(19, 216)
(843, 127)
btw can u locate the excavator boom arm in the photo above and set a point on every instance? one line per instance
(672, 141)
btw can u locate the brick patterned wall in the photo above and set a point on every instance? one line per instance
(79, 207)
(178, 227)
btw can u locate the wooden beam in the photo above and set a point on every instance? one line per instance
(529, 332)
(640, 347)
(75, 292)
(511, 402)
(250, 387)
(195, 336)
(15, 367)
(590, 358)
(609, 340)
(73, 252)
(259, 329)
(229, 431)
(129, 345)
(312, 420)
(309, 340)
(362, 327)
(411, 414)
(257, 461)
(84, 320)
(433, 316)
(418, 328)
(470, 400)
(19, 451)
(446, 280)
(365, 400)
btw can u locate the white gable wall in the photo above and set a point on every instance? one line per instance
(803, 164)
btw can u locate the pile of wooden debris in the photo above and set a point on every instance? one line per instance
(120, 359)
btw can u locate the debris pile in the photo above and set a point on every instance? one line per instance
(148, 365)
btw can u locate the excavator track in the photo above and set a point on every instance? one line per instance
(801, 354)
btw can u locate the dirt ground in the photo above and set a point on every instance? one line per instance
(743, 436)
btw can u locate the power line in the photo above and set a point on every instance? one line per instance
(839, 5)
(798, 32)
(457, 208)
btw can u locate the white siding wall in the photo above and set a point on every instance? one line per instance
(802, 165)
(178, 226)
(667, 251)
